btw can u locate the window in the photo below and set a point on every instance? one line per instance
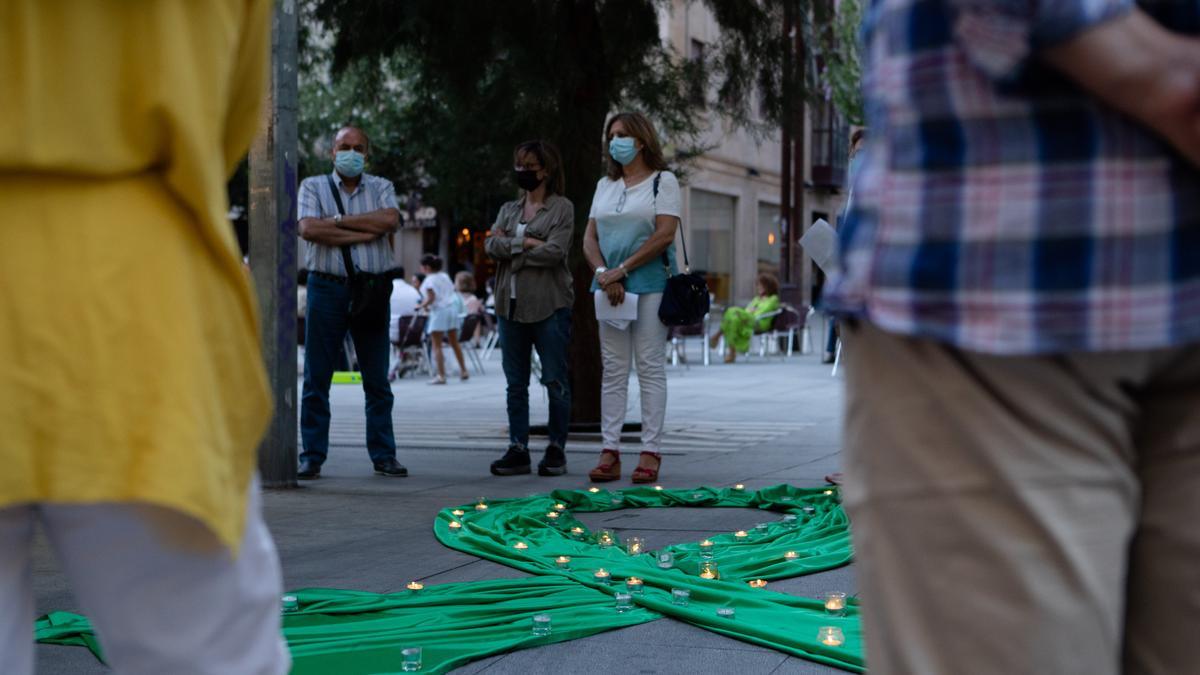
(770, 239)
(830, 146)
(711, 250)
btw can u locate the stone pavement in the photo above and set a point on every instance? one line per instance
(759, 422)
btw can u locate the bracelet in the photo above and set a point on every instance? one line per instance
(624, 272)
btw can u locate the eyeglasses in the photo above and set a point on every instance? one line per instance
(621, 201)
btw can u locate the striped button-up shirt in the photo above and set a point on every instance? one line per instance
(316, 201)
(1000, 209)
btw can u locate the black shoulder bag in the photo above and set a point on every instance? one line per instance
(685, 300)
(366, 290)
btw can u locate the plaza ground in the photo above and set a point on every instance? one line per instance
(759, 422)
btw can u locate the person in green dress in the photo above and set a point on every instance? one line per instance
(738, 324)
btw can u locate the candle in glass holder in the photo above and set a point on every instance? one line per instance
(520, 546)
(740, 535)
(835, 603)
(791, 555)
(635, 585)
(680, 597)
(481, 507)
(290, 603)
(758, 583)
(455, 526)
(658, 488)
(634, 545)
(603, 576)
(831, 636)
(706, 550)
(809, 510)
(789, 520)
(560, 507)
(552, 516)
(666, 560)
(709, 570)
(541, 625)
(576, 532)
(785, 498)
(459, 513)
(828, 492)
(761, 528)
(593, 490)
(415, 586)
(605, 539)
(563, 561)
(411, 659)
(624, 602)
(739, 487)
(725, 612)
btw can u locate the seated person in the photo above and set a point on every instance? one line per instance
(738, 324)
(405, 299)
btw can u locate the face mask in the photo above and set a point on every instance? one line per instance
(622, 150)
(349, 163)
(527, 179)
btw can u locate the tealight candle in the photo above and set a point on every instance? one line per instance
(725, 613)
(680, 596)
(415, 586)
(577, 532)
(634, 545)
(481, 507)
(563, 561)
(758, 583)
(560, 507)
(290, 603)
(459, 513)
(666, 560)
(541, 625)
(761, 528)
(739, 487)
(658, 488)
(624, 602)
(835, 603)
(605, 539)
(709, 570)
(593, 490)
(552, 515)
(828, 492)
(411, 662)
(520, 546)
(635, 585)
(455, 526)
(831, 636)
(706, 550)
(791, 555)
(603, 576)
(809, 510)
(789, 520)
(740, 534)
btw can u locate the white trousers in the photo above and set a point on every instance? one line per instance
(162, 593)
(643, 342)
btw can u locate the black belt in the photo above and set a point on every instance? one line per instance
(337, 279)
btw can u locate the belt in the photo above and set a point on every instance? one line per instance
(335, 278)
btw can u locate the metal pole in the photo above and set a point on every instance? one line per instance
(785, 187)
(273, 167)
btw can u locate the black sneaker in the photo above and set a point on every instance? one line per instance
(309, 471)
(554, 462)
(514, 462)
(390, 468)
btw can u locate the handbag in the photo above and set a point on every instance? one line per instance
(685, 300)
(367, 290)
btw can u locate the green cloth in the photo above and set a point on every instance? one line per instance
(351, 632)
(738, 325)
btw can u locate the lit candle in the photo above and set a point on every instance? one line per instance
(709, 570)
(415, 586)
(593, 490)
(791, 555)
(605, 539)
(602, 575)
(758, 583)
(739, 487)
(831, 636)
(835, 603)
(634, 545)
(481, 507)
(635, 585)
(658, 488)
(577, 532)
(706, 550)
(563, 561)
(520, 546)
(707, 574)
(828, 492)
(552, 515)
(560, 507)
(459, 512)
(740, 534)
(455, 526)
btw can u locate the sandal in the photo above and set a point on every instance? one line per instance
(644, 475)
(465, 376)
(438, 380)
(611, 471)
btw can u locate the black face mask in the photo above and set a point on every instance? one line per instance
(527, 179)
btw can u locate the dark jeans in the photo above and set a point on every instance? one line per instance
(550, 336)
(325, 325)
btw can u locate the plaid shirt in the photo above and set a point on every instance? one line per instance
(1002, 210)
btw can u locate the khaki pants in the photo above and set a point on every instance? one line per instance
(1024, 514)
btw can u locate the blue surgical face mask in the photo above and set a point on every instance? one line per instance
(349, 163)
(622, 150)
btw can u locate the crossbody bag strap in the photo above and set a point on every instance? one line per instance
(337, 199)
(683, 240)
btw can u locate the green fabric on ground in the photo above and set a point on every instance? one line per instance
(352, 632)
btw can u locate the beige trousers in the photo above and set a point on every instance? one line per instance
(1018, 515)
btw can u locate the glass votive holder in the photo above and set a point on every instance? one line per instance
(658, 488)
(680, 597)
(563, 562)
(481, 506)
(552, 516)
(739, 487)
(455, 527)
(761, 528)
(828, 493)
(809, 510)
(666, 560)
(415, 587)
(560, 507)
(785, 498)
(741, 535)
(617, 498)
(458, 513)
(541, 625)
(635, 546)
(726, 612)
(835, 603)
(697, 495)
(709, 570)
(624, 602)
(635, 586)
(605, 539)
(410, 659)
(757, 583)
(521, 546)
(791, 555)
(706, 550)
(789, 521)
(831, 636)
(593, 490)
(577, 533)
(290, 603)
(603, 576)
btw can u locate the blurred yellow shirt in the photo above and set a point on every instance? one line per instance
(129, 354)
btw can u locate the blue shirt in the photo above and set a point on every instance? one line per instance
(625, 220)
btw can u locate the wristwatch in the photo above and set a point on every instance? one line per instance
(601, 270)
(337, 220)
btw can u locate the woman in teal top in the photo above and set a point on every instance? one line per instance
(632, 224)
(738, 324)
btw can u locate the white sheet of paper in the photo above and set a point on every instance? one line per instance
(820, 241)
(626, 311)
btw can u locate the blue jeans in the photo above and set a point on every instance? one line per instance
(325, 324)
(550, 336)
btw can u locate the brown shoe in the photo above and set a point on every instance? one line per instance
(606, 472)
(647, 475)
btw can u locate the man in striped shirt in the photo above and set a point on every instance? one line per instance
(1021, 289)
(360, 228)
